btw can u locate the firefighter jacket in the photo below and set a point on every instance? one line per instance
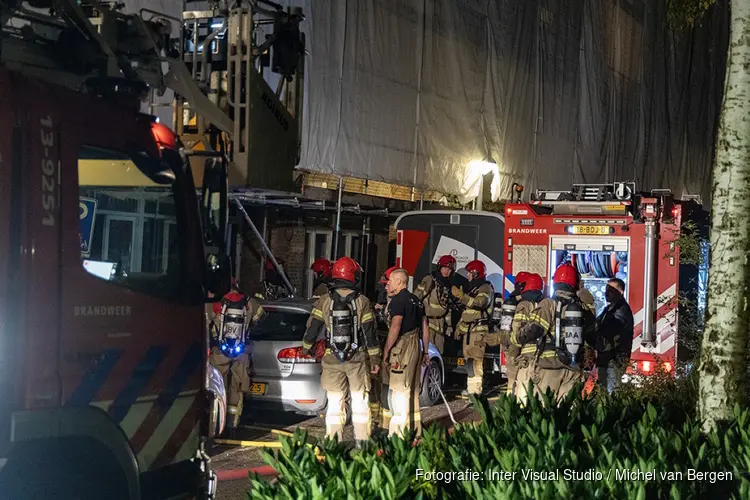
(320, 289)
(320, 319)
(538, 335)
(434, 295)
(478, 304)
(613, 339)
(527, 302)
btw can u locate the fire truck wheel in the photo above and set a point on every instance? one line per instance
(64, 469)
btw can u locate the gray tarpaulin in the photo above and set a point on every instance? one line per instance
(410, 91)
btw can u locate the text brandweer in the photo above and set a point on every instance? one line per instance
(527, 231)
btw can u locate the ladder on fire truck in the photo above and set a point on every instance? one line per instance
(214, 64)
(90, 45)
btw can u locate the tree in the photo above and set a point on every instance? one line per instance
(725, 340)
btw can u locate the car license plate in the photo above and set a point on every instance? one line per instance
(258, 388)
(596, 230)
(460, 362)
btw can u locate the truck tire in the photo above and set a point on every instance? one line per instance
(432, 383)
(63, 469)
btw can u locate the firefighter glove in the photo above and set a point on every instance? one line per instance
(457, 292)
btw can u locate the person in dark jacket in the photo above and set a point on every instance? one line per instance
(614, 336)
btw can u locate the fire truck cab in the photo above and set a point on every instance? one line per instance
(607, 231)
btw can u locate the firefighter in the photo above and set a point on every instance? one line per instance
(435, 293)
(532, 294)
(349, 323)
(502, 322)
(473, 326)
(555, 330)
(322, 269)
(232, 317)
(379, 408)
(405, 355)
(382, 294)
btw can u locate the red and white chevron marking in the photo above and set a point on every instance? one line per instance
(666, 331)
(156, 441)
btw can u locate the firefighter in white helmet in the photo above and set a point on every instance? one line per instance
(232, 317)
(349, 323)
(555, 331)
(478, 299)
(404, 354)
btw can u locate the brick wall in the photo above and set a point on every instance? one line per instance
(287, 242)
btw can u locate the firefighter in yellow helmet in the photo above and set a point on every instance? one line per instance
(477, 298)
(554, 331)
(232, 317)
(405, 355)
(434, 292)
(349, 323)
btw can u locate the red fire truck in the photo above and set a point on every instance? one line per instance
(103, 280)
(607, 231)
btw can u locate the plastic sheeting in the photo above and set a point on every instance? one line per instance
(410, 91)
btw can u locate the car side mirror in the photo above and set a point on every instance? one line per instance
(217, 276)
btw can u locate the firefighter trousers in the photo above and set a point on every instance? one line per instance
(474, 345)
(380, 414)
(437, 333)
(239, 367)
(337, 377)
(547, 372)
(405, 360)
(511, 367)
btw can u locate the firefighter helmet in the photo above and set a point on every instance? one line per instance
(387, 274)
(533, 283)
(566, 274)
(347, 269)
(477, 267)
(521, 278)
(447, 261)
(322, 267)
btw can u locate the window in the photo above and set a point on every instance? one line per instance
(128, 222)
(280, 326)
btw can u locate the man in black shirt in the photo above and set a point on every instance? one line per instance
(404, 354)
(614, 336)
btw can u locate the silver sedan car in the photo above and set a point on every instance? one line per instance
(283, 376)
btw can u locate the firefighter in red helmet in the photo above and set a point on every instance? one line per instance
(231, 319)
(322, 269)
(477, 297)
(348, 320)
(552, 337)
(434, 292)
(531, 294)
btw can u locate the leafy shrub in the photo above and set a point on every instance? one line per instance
(636, 430)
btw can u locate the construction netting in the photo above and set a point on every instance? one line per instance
(411, 91)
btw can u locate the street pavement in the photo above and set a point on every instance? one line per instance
(253, 419)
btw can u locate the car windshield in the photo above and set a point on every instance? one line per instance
(280, 325)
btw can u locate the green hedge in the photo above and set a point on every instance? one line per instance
(647, 429)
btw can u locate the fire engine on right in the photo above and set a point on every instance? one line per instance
(607, 231)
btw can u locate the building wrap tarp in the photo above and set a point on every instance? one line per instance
(410, 91)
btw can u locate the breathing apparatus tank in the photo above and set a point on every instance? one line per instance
(232, 328)
(503, 313)
(571, 325)
(343, 335)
